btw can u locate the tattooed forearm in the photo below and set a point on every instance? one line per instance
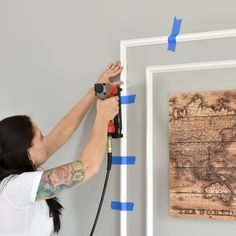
(57, 180)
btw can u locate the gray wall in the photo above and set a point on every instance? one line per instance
(51, 53)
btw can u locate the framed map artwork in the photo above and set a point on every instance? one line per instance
(202, 154)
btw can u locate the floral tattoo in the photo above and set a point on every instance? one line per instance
(60, 179)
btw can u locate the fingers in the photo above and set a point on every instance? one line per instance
(115, 68)
(116, 65)
(109, 66)
(114, 98)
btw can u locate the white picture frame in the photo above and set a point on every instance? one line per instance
(150, 71)
(124, 45)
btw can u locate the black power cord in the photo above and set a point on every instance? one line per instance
(109, 163)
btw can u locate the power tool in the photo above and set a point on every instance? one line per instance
(114, 130)
(106, 90)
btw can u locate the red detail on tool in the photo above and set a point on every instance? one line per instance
(111, 128)
(113, 90)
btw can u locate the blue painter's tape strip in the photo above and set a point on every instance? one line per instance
(123, 160)
(174, 34)
(127, 99)
(122, 206)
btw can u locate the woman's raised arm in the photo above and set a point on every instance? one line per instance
(57, 180)
(71, 121)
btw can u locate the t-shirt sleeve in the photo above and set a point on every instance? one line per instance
(21, 189)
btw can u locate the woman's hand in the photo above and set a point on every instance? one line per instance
(107, 109)
(111, 71)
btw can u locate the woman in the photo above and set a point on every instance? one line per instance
(27, 195)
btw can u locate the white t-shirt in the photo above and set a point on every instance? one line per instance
(20, 214)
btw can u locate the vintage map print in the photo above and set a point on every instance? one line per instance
(202, 155)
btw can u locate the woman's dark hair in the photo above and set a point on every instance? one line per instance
(16, 135)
